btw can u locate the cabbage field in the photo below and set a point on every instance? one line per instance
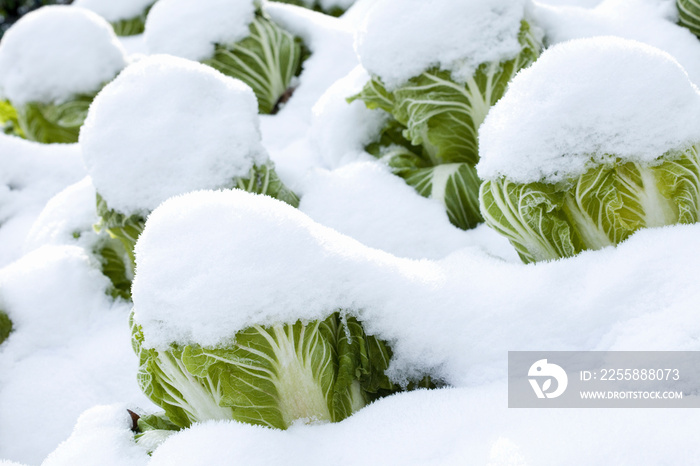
(309, 232)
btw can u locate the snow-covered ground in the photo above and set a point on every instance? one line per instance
(451, 302)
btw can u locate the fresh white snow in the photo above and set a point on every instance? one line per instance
(167, 126)
(400, 39)
(650, 21)
(31, 174)
(589, 101)
(190, 29)
(56, 52)
(450, 302)
(114, 11)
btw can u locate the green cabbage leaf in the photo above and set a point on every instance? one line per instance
(602, 207)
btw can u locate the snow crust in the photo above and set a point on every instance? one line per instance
(167, 126)
(652, 22)
(114, 11)
(56, 52)
(587, 102)
(190, 29)
(400, 39)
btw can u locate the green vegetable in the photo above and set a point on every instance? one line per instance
(602, 207)
(270, 376)
(117, 257)
(439, 121)
(689, 15)
(5, 326)
(9, 120)
(54, 123)
(266, 60)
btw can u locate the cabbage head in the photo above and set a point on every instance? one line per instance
(438, 120)
(600, 208)
(319, 371)
(689, 15)
(267, 60)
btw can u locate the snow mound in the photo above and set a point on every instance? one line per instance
(30, 174)
(652, 22)
(167, 126)
(101, 436)
(114, 11)
(67, 218)
(192, 29)
(57, 52)
(590, 99)
(400, 39)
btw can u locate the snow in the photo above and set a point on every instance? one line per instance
(341, 131)
(68, 218)
(586, 102)
(115, 11)
(400, 39)
(167, 126)
(65, 353)
(31, 174)
(56, 52)
(402, 222)
(190, 29)
(101, 436)
(652, 22)
(453, 426)
(450, 302)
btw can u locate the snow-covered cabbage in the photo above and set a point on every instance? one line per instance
(236, 37)
(53, 62)
(689, 15)
(140, 147)
(625, 156)
(127, 17)
(269, 371)
(5, 326)
(432, 139)
(320, 371)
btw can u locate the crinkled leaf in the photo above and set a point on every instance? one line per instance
(602, 207)
(9, 120)
(689, 15)
(266, 60)
(54, 123)
(531, 217)
(264, 180)
(116, 265)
